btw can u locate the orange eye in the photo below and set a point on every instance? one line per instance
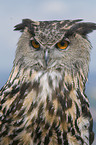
(62, 44)
(35, 44)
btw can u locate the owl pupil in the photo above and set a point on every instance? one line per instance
(62, 43)
(36, 43)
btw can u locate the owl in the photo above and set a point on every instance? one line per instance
(44, 101)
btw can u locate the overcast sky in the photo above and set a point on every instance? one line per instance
(13, 11)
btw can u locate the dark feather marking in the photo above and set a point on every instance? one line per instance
(54, 96)
(3, 100)
(79, 96)
(35, 85)
(17, 103)
(69, 86)
(6, 94)
(16, 142)
(63, 117)
(58, 133)
(5, 132)
(33, 121)
(64, 135)
(59, 140)
(59, 136)
(77, 111)
(26, 23)
(29, 128)
(40, 109)
(66, 93)
(30, 72)
(19, 130)
(17, 76)
(65, 102)
(54, 124)
(25, 69)
(69, 128)
(0, 109)
(79, 138)
(40, 120)
(7, 119)
(21, 113)
(59, 112)
(20, 104)
(91, 125)
(33, 106)
(13, 92)
(18, 123)
(85, 28)
(85, 111)
(61, 85)
(11, 110)
(69, 119)
(39, 143)
(37, 134)
(32, 134)
(91, 138)
(76, 126)
(66, 142)
(50, 133)
(59, 69)
(47, 140)
(47, 125)
(12, 136)
(7, 85)
(24, 87)
(50, 81)
(81, 28)
(72, 131)
(49, 106)
(56, 127)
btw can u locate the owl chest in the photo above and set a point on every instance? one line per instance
(46, 110)
(41, 101)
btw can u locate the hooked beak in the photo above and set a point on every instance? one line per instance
(46, 57)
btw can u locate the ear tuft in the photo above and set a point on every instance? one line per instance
(26, 23)
(85, 28)
(81, 28)
(21, 26)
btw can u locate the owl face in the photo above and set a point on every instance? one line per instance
(49, 45)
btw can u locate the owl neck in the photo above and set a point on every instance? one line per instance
(48, 83)
(55, 76)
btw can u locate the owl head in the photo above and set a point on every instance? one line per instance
(46, 45)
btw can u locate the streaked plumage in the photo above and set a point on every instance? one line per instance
(44, 101)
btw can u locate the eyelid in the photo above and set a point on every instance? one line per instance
(66, 39)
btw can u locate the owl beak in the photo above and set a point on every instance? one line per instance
(46, 57)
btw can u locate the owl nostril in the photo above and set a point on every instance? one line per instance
(46, 57)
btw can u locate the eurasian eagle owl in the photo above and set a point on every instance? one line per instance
(44, 101)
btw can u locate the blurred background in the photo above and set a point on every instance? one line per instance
(12, 12)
